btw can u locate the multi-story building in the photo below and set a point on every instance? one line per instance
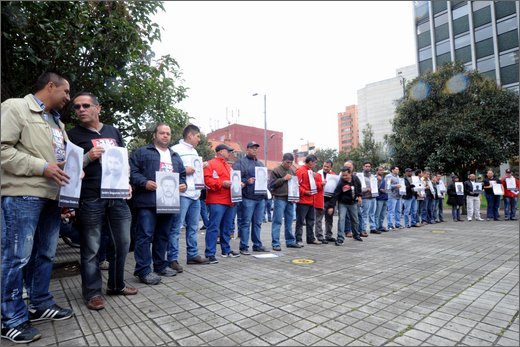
(377, 103)
(482, 34)
(348, 130)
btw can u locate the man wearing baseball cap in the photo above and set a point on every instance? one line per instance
(252, 205)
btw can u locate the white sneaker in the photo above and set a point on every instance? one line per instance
(469, 219)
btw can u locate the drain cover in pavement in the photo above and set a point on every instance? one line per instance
(439, 231)
(302, 261)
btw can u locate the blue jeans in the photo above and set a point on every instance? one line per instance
(381, 213)
(30, 231)
(420, 209)
(455, 212)
(510, 207)
(350, 213)
(204, 213)
(283, 211)
(92, 215)
(304, 213)
(268, 214)
(493, 203)
(189, 213)
(221, 220)
(368, 210)
(410, 211)
(251, 223)
(154, 229)
(393, 213)
(427, 212)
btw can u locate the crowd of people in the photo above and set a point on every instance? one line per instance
(34, 143)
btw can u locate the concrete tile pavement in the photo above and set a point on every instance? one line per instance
(447, 284)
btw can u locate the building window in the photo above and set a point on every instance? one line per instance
(421, 10)
(423, 27)
(509, 74)
(484, 48)
(463, 54)
(425, 53)
(507, 25)
(486, 64)
(482, 16)
(508, 40)
(509, 58)
(504, 8)
(441, 19)
(443, 59)
(442, 32)
(459, 12)
(460, 25)
(462, 41)
(424, 39)
(483, 33)
(477, 5)
(442, 47)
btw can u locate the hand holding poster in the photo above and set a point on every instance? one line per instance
(330, 186)
(374, 186)
(418, 185)
(115, 173)
(167, 194)
(498, 189)
(70, 193)
(402, 187)
(312, 182)
(441, 187)
(260, 180)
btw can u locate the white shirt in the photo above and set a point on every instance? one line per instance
(188, 153)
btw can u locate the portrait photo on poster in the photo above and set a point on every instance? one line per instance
(459, 188)
(236, 186)
(115, 173)
(70, 193)
(293, 189)
(260, 180)
(167, 193)
(199, 173)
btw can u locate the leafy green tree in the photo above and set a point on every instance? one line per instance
(323, 155)
(368, 150)
(455, 121)
(103, 47)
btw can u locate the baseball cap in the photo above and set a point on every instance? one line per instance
(223, 146)
(252, 144)
(454, 176)
(508, 170)
(408, 170)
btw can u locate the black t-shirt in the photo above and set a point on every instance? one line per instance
(86, 139)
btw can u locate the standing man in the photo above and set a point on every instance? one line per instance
(153, 228)
(472, 199)
(95, 137)
(369, 205)
(493, 200)
(190, 204)
(382, 200)
(409, 200)
(320, 213)
(252, 205)
(394, 199)
(218, 200)
(510, 195)
(283, 209)
(305, 206)
(33, 154)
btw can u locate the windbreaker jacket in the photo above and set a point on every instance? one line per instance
(144, 162)
(305, 185)
(26, 146)
(187, 153)
(509, 193)
(247, 165)
(215, 173)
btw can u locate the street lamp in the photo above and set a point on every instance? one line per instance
(402, 81)
(265, 128)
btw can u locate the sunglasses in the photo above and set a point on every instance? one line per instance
(85, 106)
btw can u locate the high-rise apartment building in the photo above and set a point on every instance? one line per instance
(348, 130)
(482, 34)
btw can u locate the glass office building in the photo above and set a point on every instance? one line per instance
(483, 35)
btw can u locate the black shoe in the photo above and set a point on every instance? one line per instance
(23, 333)
(277, 248)
(260, 249)
(324, 242)
(294, 245)
(357, 238)
(245, 252)
(330, 239)
(69, 242)
(212, 259)
(314, 242)
(375, 232)
(203, 228)
(198, 260)
(52, 313)
(339, 243)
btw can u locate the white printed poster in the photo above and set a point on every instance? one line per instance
(330, 186)
(198, 175)
(260, 180)
(498, 189)
(402, 187)
(293, 189)
(374, 189)
(236, 186)
(459, 188)
(167, 194)
(70, 193)
(115, 170)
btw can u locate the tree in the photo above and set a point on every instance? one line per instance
(325, 154)
(103, 47)
(368, 150)
(455, 121)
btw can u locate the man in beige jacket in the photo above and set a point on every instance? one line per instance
(33, 153)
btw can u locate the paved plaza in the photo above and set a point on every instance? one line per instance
(446, 284)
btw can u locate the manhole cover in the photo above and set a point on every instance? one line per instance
(439, 231)
(302, 261)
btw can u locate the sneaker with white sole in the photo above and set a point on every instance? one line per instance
(231, 254)
(167, 272)
(23, 333)
(52, 313)
(212, 259)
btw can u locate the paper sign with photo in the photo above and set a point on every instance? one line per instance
(198, 175)
(70, 193)
(374, 186)
(236, 187)
(115, 173)
(402, 187)
(441, 187)
(167, 193)
(388, 184)
(498, 189)
(459, 188)
(510, 183)
(477, 187)
(362, 180)
(330, 186)
(418, 185)
(260, 180)
(312, 182)
(293, 189)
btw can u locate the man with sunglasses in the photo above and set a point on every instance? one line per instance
(94, 137)
(33, 155)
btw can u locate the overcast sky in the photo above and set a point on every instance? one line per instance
(309, 58)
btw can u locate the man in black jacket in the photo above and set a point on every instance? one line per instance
(348, 196)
